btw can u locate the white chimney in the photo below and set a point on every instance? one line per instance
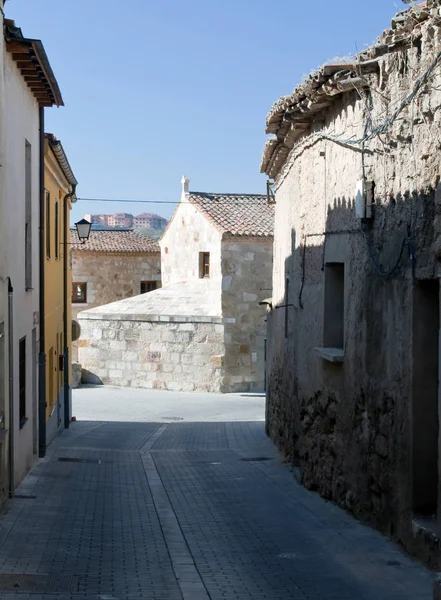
(185, 186)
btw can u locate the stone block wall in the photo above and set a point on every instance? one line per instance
(182, 355)
(111, 277)
(246, 280)
(188, 234)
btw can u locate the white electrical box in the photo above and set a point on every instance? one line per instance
(360, 200)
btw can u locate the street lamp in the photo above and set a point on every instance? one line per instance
(83, 230)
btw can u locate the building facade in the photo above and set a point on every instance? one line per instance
(60, 185)
(353, 355)
(22, 102)
(110, 266)
(120, 220)
(149, 221)
(205, 329)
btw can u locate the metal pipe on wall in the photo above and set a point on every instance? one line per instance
(67, 415)
(11, 386)
(10, 383)
(42, 353)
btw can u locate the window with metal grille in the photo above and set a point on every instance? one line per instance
(79, 292)
(204, 264)
(148, 286)
(22, 380)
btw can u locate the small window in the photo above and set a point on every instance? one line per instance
(204, 264)
(79, 292)
(48, 223)
(56, 227)
(148, 286)
(22, 380)
(333, 330)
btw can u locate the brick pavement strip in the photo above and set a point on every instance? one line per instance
(171, 512)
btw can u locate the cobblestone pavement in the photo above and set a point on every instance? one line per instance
(188, 511)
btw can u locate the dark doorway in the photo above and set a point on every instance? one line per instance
(425, 351)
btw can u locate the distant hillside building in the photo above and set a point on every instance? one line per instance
(98, 219)
(120, 220)
(149, 220)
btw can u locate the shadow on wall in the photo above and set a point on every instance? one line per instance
(351, 428)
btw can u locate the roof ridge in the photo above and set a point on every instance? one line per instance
(190, 193)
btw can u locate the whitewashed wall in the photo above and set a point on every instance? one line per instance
(21, 123)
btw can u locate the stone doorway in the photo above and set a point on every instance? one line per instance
(425, 391)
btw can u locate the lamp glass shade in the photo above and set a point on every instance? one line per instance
(83, 229)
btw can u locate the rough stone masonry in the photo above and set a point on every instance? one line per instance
(353, 351)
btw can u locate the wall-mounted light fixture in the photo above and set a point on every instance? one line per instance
(83, 230)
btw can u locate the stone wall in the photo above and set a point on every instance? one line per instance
(188, 234)
(185, 354)
(350, 427)
(111, 277)
(246, 280)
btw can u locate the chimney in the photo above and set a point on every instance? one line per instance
(185, 185)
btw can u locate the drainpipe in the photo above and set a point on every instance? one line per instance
(42, 353)
(10, 383)
(67, 415)
(11, 387)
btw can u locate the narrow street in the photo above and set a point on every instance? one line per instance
(166, 496)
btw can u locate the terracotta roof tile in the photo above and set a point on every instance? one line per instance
(115, 241)
(237, 214)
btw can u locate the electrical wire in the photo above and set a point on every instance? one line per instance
(407, 241)
(208, 200)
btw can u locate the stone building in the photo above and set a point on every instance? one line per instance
(353, 353)
(204, 330)
(149, 220)
(110, 266)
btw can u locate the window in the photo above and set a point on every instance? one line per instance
(148, 286)
(333, 331)
(79, 292)
(22, 380)
(28, 215)
(204, 264)
(56, 227)
(48, 223)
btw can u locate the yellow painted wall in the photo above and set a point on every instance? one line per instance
(56, 187)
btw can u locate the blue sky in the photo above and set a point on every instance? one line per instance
(155, 89)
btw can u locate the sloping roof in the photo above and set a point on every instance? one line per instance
(236, 214)
(117, 242)
(179, 301)
(30, 57)
(291, 118)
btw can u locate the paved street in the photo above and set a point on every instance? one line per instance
(146, 507)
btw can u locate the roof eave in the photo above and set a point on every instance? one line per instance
(58, 150)
(35, 56)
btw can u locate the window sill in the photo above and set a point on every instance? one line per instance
(333, 355)
(23, 422)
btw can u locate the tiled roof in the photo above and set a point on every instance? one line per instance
(292, 117)
(237, 214)
(115, 241)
